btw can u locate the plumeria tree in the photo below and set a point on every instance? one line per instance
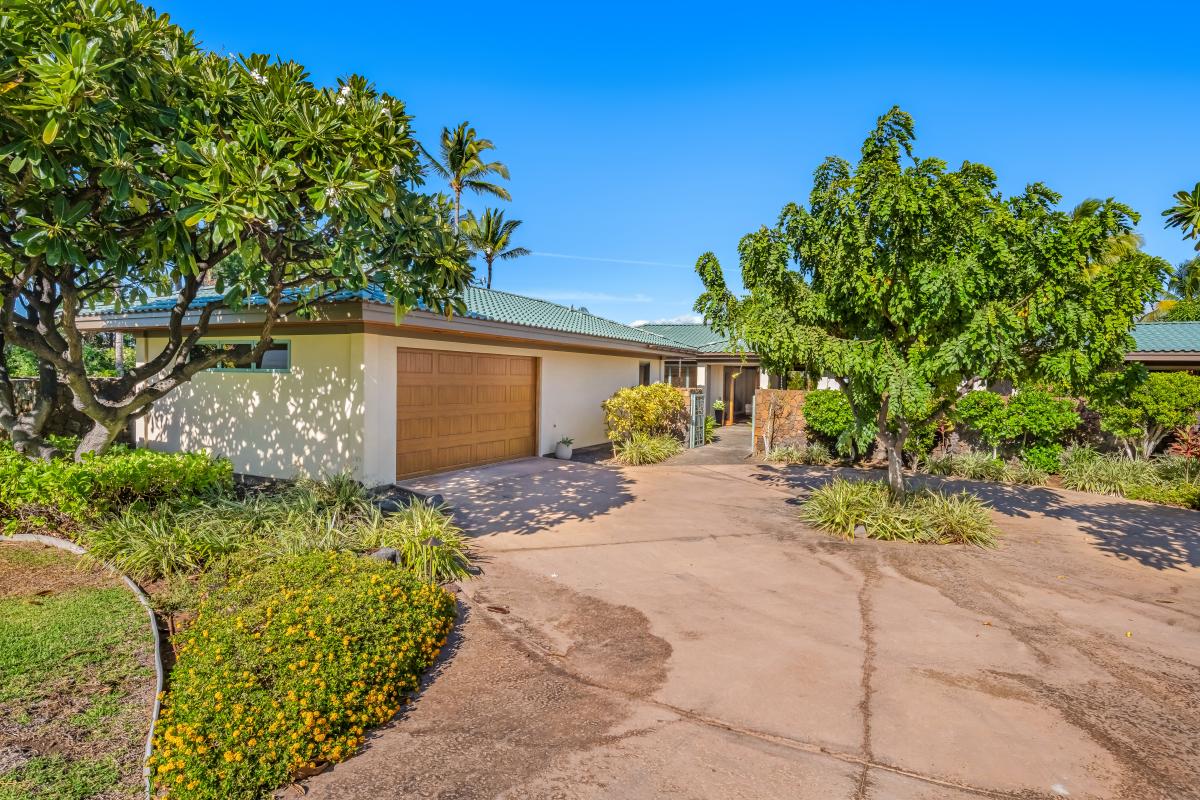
(135, 164)
(911, 282)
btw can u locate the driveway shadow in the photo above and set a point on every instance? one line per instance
(1156, 536)
(529, 496)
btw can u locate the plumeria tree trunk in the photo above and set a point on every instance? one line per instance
(893, 444)
(26, 429)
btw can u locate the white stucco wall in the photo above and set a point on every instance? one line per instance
(572, 386)
(275, 424)
(335, 409)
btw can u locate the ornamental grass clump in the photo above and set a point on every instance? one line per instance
(643, 448)
(840, 507)
(812, 454)
(287, 668)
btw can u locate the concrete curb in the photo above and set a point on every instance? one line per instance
(71, 547)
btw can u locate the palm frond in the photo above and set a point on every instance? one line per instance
(483, 187)
(516, 252)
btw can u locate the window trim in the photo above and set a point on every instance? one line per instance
(250, 368)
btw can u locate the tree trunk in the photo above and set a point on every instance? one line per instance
(99, 439)
(893, 445)
(489, 281)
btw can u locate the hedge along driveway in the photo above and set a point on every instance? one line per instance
(76, 678)
(690, 638)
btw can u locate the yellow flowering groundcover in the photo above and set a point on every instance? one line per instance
(287, 668)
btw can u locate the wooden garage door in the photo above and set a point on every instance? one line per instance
(457, 409)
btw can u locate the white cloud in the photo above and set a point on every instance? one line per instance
(588, 297)
(682, 319)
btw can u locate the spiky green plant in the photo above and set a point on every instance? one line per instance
(642, 448)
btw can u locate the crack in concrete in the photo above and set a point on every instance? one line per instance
(870, 572)
(866, 762)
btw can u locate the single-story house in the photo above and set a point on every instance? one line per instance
(354, 389)
(726, 371)
(1167, 346)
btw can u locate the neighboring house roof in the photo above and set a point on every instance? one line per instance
(483, 304)
(695, 335)
(1167, 337)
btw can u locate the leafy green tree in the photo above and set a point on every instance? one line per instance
(1140, 409)
(1185, 214)
(913, 281)
(491, 237)
(1181, 302)
(461, 164)
(134, 164)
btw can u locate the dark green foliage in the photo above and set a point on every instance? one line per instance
(984, 413)
(1035, 416)
(908, 280)
(1141, 409)
(827, 414)
(1046, 457)
(45, 493)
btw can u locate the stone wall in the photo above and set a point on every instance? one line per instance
(782, 412)
(64, 420)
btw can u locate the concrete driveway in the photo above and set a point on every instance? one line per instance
(674, 631)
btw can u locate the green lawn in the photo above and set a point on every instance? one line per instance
(76, 679)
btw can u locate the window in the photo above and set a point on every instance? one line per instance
(644, 373)
(276, 358)
(682, 376)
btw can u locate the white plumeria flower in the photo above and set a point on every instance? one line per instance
(387, 213)
(257, 77)
(387, 112)
(396, 171)
(345, 90)
(331, 194)
(272, 225)
(158, 150)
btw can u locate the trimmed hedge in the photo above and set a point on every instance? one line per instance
(655, 410)
(51, 494)
(286, 668)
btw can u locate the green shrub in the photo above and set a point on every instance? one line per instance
(1037, 417)
(827, 414)
(928, 517)
(841, 505)
(1045, 457)
(1186, 495)
(288, 667)
(642, 448)
(710, 429)
(308, 516)
(984, 413)
(1108, 474)
(979, 467)
(940, 465)
(812, 454)
(1023, 472)
(655, 410)
(955, 518)
(102, 484)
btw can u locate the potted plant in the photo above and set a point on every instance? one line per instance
(563, 448)
(719, 411)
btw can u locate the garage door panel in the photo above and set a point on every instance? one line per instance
(458, 409)
(455, 395)
(415, 462)
(455, 364)
(415, 428)
(454, 425)
(414, 396)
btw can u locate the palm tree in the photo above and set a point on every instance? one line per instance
(1185, 214)
(464, 169)
(1185, 282)
(491, 235)
(1115, 247)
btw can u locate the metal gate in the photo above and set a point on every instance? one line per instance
(696, 419)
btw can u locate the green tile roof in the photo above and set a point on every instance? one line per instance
(485, 304)
(1167, 337)
(517, 309)
(695, 335)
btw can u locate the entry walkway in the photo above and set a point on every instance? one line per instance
(732, 446)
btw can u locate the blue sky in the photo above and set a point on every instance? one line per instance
(641, 135)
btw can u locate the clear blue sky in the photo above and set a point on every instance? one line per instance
(653, 132)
